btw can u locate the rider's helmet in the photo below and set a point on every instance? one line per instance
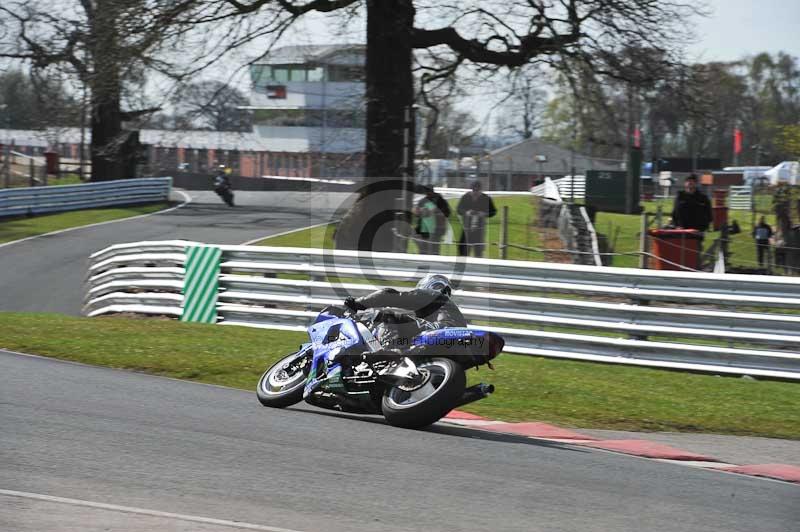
(434, 281)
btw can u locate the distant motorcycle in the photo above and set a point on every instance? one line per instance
(346, 367)
(222, 187)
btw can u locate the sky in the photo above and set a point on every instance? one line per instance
(734, 28)
(743, 27)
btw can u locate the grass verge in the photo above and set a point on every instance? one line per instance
(18, 228)
(569, 393)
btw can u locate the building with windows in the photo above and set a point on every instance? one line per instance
(308, 109)
(309, 121)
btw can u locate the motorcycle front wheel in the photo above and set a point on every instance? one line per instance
(423, 404)
(282, 384)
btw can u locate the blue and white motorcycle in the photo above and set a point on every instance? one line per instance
(382, 361)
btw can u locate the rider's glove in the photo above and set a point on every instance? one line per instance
(353, 305)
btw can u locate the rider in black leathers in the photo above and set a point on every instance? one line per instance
(431, 305)
(430, 300)
(222, 185)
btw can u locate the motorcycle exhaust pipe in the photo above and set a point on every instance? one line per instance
(475, 393)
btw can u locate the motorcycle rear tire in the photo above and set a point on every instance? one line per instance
(435, 406)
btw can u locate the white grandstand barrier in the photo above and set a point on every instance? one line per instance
(568, 187)
(50, 199)
(147, 277)
(741, 198)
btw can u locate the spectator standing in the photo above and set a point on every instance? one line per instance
(692, 209)
(762, 233)
(432, 213)
(474, 208)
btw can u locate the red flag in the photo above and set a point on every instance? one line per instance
(637, 137)
(276, 92)
(737, 141)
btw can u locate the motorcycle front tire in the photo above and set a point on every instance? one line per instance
(292, 394)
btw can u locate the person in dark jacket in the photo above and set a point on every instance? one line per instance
(432, 213)
(692, 208)
(762, 233)
(474, 208)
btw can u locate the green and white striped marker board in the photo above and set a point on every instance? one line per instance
(200, 283)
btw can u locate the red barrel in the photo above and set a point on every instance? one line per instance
(720, 195)
(720, 215)
(52, 162)
(675, 247)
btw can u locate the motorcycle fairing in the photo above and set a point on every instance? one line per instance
(450, 336)
(472, 347)
(329, 338)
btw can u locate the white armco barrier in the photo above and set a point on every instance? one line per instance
(681, 320)
(40, 200)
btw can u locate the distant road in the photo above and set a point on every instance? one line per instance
(46, 274)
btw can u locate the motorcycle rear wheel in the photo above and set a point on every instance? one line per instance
(427, 403)
(279, 388)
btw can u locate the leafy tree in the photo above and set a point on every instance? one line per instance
(789, 141)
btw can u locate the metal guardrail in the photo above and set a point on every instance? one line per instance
(39, 200)
(568, 187)
(617, 315)
(741, 198)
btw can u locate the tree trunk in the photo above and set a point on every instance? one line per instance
(109, 150)
(390, 91)
(108, 161)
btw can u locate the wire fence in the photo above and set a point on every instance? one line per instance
(426, 241)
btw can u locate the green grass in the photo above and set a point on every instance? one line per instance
(589, 395)
(65, 179)
(229, 356)
(318, 237)
(569, 393)
(18, 181)
(17, 228)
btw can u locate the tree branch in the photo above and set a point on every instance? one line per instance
(323, 6)
(479, 52)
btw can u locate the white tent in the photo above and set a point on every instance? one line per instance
(785, 172)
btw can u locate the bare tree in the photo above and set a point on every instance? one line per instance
(111, 46)
(475, 34)
(523, 108)
(213, 105)
(35, 100)
(444, 126)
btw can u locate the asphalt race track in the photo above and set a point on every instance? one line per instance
(91, 449)
(108, 436)
(46, 274)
